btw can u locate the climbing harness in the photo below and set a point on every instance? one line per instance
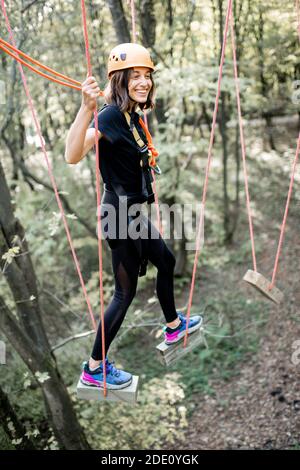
(147, 156)
(152, 152)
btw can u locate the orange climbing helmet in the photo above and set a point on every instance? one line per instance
(127, 55)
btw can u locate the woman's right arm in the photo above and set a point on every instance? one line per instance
(80, 139)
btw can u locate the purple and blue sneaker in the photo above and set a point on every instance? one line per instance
(115, 378)
(173, 335)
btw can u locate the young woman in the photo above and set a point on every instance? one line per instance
(125, 173)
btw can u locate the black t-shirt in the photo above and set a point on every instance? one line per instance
(119, 153)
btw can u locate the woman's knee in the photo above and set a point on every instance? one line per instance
(172, 259)
(125, 296)
(168, 261)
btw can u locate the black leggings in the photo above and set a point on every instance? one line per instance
(126, 264)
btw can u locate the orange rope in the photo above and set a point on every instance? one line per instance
(159, 223)
(52, 178)
(36, 62)
(298, 18)
(243, 146)
(209, 158)
(5, 47)
(293, 172)
(285, 213)
(21, 61)
(283, 225)
(144, 124)
(151, 147)
(133, 20)
(89, 67)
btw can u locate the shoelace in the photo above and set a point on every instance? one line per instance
(110, 368)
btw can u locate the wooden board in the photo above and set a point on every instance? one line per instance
(170, 353)
(262, 284)
(126, 395)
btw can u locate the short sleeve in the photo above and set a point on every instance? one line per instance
(109, 123)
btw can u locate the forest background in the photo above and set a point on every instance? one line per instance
(244, 372)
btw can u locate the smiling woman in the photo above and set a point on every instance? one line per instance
(140, 84)
(131, 82)
(130, 89)
(125, 154)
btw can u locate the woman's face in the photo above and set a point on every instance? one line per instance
(140, 84)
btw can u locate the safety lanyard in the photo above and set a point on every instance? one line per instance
(134, 131)
(148, 160)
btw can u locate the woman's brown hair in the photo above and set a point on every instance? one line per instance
(116, 91)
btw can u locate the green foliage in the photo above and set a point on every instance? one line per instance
(5, 443)
(187, 54)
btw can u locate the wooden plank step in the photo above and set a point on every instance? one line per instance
(262, 284)
(170, 353)
(126, 395)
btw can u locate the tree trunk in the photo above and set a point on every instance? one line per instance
(148, 22)
(26, 332)
(223, 130)
(10, 423)
(263, 79)
(20, 274)
(119, 20)
(62, 417)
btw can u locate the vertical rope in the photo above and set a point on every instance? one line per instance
(293, 172)
(158, 219)
(134, 35)
(243, 147)
(132, 6)
(98, 191)
(283, 225)
(298, 18)
(212, 134)
(52, 179)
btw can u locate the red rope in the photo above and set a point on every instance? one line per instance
(21, 61)
(8, 48)
(293, 172)
(298, 18)
(212, 134)
(132, 6)
(37, 125)
(98, 191)
(159, 223)
(283, 225)
(285, 214)
(145, 127)
(243, 146)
